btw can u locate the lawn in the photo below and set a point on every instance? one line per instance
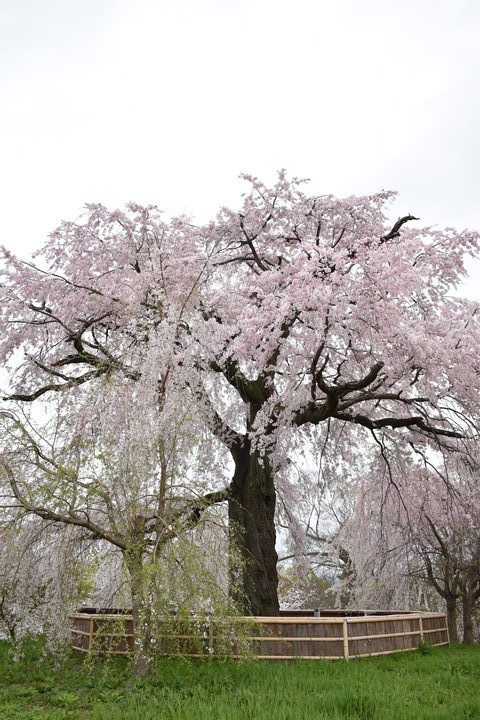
(436, 684)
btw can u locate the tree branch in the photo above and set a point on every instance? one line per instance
(57, 387)
(188, 518)
(409, 422)
(395, 231)
(70, 519)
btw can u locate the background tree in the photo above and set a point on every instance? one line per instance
(301, 587)
(423, 532)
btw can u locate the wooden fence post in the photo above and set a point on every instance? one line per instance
(421, 628)
(90, 635)
(210, 637)
(345, 641)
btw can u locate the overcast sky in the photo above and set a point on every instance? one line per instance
(167, 101)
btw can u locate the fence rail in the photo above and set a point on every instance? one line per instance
(271, 638)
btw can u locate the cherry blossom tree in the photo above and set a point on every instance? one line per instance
(118, 467)
(422, 531)
(43, 577)
(446, 535)
(288, 320)
(301, 587)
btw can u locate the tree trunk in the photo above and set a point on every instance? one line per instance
(142, 635)
(467, 610)
(251, 514)
(452, 619)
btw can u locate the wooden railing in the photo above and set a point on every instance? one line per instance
(271, 638)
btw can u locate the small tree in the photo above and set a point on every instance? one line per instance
(425, 530)
(127, 472)
(447, 535)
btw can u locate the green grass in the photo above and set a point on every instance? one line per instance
(437, 684)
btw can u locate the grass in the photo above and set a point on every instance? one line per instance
(431, 684)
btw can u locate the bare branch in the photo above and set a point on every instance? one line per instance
(406, 422)
(395, 231)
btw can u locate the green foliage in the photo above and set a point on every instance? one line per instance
(63, 698)
(442, 685)
(424, 648)
(178, 593)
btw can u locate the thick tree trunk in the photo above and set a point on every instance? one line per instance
(452, 619)
(467, 610)
(251, 513)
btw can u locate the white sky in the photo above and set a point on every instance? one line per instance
(167, 101)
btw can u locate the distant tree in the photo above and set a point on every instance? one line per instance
(426, 530)
(447, 536)
(300, 587)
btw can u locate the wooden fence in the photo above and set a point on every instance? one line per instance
(270, 638)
